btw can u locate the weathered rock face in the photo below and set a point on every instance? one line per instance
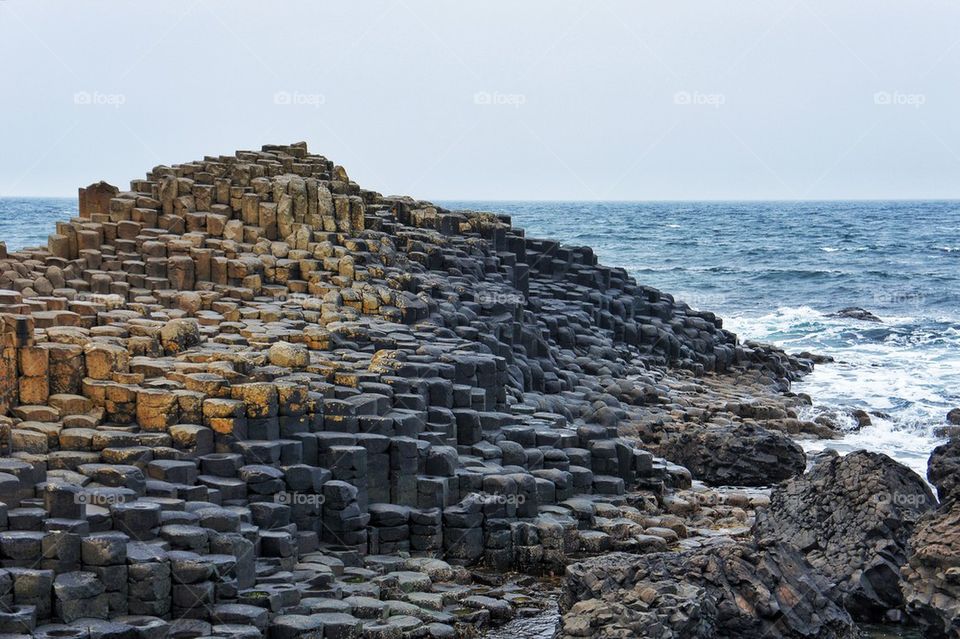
(852, 517)
(931, 578)
(740, 455)
(289, 355)
(179, 335)
(729, 590)
(943, 469)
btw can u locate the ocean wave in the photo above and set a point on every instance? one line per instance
(779, 275)
(908, 448)
(784, 320)
(850, 249)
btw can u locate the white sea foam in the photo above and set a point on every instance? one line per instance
(900, 371)
(909, 448)
(836, 249)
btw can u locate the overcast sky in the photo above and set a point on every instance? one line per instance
(495, 99)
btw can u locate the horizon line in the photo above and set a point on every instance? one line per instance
(693, 200)
(605, 201)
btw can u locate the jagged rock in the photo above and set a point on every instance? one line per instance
(851, 517)
(730, 590)
(931, 577)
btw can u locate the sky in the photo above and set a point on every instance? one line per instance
(494, 99)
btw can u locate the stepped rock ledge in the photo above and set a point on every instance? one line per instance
(247, 398)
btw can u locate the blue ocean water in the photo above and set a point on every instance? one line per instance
(774, 271)
(27, 221)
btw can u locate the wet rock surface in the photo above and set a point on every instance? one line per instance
(943, 469)
(248, 398)
(857, 313)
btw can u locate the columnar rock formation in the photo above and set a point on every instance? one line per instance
(247, 396)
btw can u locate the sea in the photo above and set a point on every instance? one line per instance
(775, 272)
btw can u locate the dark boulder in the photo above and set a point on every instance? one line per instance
(744, 590)
(851, 517)
(862, 418)
(735, 455)
(857, 313)
(816, 358)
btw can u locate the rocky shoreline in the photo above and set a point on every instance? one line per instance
(247, 398)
